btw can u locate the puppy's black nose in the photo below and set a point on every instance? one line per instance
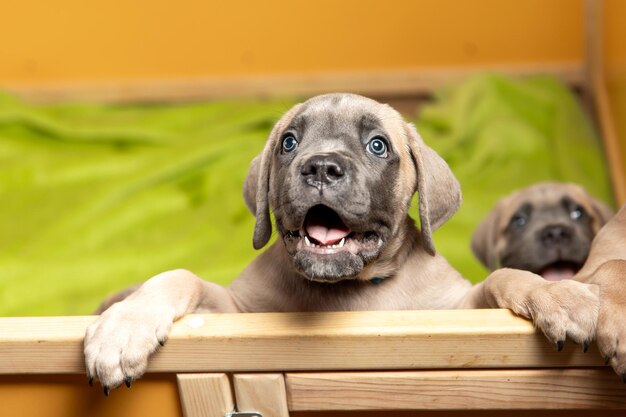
(322, 170)
(555, 235)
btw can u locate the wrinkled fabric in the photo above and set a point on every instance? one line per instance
(96, 198)
(500, 134)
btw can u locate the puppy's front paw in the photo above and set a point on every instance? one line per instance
(566, 310)
(117, 345)
(611, 333)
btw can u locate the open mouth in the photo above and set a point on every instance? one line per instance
(324, 232)
(559, 270)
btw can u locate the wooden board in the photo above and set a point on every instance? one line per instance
(305, 341)
(205, 395)
(261, 393)
(597, 76)
(388, 82)
(449, 390)
(611, 142)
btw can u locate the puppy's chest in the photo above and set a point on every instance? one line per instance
(352, 296)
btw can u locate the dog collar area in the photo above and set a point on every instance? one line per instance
(377, 280)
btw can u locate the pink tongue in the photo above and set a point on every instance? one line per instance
(557, 274)
(325, 235)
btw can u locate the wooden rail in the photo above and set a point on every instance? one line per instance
(441, 339)
(283, 363)
(388, 82)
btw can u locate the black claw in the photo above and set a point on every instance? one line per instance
(162, 343)
(129, 381)
(607, 359)
(585, 346)
(90, 381)
(106, 391)
(559, 345)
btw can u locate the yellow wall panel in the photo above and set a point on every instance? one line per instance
(65, 40)
(70, 396)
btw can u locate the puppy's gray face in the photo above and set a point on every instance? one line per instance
(338, 172)
(550, 238)
(546, 229)
(338, 196)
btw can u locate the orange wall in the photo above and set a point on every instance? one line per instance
(156, 395)
(615, 65)
(64, 40)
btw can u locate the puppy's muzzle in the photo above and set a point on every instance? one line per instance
(324, 171)
(556, 235)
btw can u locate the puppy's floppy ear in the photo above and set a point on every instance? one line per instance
(439, 190)
(250, 184)
(485, 236)
(257, 183)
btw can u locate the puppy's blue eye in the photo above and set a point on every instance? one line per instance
(377, 147)
(519, 221)
(289, 143)
(576, 213)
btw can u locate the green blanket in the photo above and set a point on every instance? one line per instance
(498, 135)
(95, 198)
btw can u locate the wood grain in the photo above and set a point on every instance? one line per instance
(596, 83)
(407, 81)
(610, 139)
(263, 393)
(205, 395)
(281, 342)
(449, 390)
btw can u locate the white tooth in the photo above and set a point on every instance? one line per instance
(342, 242)
(307, 241)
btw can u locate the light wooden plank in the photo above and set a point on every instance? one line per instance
(305, 341)
(263, 393)
(404, 81)
(205, 395)
(449, 390)
(610, 140)
(597, 86)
